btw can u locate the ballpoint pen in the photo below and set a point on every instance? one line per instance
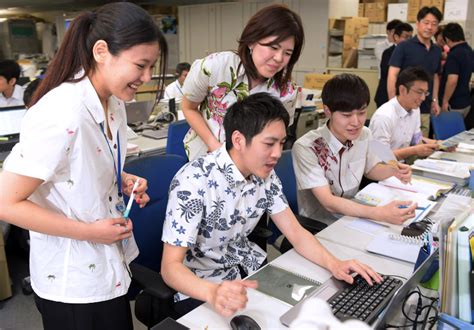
(129, 206)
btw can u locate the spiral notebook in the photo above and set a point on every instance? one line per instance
(283, 284)
(396, 246)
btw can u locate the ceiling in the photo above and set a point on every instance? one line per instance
(32, 6)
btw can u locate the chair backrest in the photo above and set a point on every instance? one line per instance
(447, 124)
(159, 170)
(176, 132)
(284, 170)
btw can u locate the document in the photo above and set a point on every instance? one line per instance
(393, 246)
(430, 188)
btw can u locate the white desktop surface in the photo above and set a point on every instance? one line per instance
(147, 145)
(266, 310)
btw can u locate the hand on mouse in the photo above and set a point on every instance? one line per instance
(229, 297)
(395, 212)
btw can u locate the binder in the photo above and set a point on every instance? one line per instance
(283, 284)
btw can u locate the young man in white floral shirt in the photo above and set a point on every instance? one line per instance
(217, 200)
(330, 161)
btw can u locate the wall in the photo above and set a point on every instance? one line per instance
(340, 8)
(204, 29)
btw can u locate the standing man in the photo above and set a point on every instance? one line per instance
(381, 46)
(420, 51)
(11, 94)
(402, 32)
(397, 122)
(454, 90)
(174, 90)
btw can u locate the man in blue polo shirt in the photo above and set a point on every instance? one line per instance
(454, 89)
(420, 51)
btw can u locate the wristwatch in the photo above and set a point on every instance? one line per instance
(434, 100)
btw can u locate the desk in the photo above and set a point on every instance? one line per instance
(148, 146)
(267, 310)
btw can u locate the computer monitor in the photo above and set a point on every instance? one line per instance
(10, 120)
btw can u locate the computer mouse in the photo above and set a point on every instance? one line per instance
(243, 322)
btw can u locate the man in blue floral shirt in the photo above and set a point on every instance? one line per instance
(217, 200)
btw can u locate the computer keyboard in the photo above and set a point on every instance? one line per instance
(156, 134)
(361, 301)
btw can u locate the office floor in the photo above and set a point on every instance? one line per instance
(19, 311)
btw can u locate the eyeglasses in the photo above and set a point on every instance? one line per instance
(432, 23)
(420, 92)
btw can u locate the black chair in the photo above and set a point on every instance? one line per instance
(285, 171)
(154, 302)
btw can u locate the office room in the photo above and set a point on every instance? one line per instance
(361, 182)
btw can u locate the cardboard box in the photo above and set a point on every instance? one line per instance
(316, 80)
(361, 10)
(397, 11)
(350, 25)
(5, 287)
(433, 3)
(376, 12)
(413, 9)
(350, 41)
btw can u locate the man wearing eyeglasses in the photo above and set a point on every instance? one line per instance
(397, 122)
(420, 51)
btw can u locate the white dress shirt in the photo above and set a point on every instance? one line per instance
(62, 143)
(396, 127)
(319, 161)
(174, 91)
(15, 99)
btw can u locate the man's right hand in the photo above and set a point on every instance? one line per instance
(396, 212)
(229, 297)
(426, 149)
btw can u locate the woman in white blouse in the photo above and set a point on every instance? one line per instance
(64, 181)
(269, 47)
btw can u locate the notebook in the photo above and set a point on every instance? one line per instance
(400, 247)
(456, 172)
(283, 284)
(430, 188)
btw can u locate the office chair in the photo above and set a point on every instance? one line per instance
(176, 132)
(284, 170)
(154, 303)
(447, 124)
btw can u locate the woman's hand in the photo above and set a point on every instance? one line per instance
(141, 197)
(109, 231)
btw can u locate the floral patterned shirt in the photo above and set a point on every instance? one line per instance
(215, 82)
(320, 159)
(62, 143)
(212, 209)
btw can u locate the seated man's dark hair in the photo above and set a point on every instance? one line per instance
(408, 76)
(250, 116)
(183, 66)
(30, 90)
(429, 10)
(454, 32)
(345, 92)
(402, 27)
(9, 69)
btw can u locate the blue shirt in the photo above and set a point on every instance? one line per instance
(413, 52)
(212, 208)
(459, 62)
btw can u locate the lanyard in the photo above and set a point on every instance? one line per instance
(120, 206)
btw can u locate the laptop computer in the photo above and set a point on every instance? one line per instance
(139, 112)
(385, 312)
(10, 124)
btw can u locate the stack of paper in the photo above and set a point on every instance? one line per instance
(456, 172)
(376, 194)
(464, 147)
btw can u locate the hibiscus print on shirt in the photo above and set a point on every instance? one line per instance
(322, 151)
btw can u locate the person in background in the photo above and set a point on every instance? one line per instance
(381, 46)
(269, 47)
(397, 122)
(455, 91)
(420, 51)
(441, 43)
(216, 200)
(402, 32)
(11, 94)
(329, 162)
(175, 89)
(64, 180)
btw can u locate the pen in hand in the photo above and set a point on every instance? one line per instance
(130, 201)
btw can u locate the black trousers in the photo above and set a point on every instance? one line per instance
(110, 314)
